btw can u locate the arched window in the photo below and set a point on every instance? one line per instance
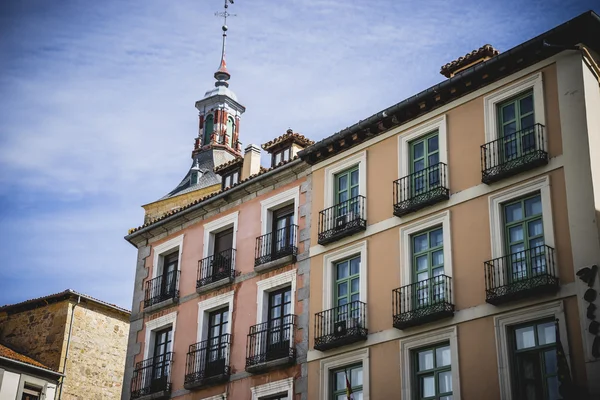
(194, 178)
(230, 130)
(209, 127)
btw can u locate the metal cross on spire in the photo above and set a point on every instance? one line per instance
(222, 75)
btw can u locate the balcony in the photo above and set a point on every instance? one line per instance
(519, 275)
(342, 220)
(423, 302)
(161, 291)
(512, 154)
(421, 189)
(341, 326)
(276, 249)
(207, 363)
(271, 344)
(216, 271)
(152, 378)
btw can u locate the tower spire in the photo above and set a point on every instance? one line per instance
(222, 75)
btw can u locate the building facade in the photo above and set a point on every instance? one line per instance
(454, 237)
(66, 346)
(220, 307)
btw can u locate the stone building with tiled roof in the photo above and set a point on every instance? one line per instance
(65, 346)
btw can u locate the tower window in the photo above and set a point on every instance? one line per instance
(230, 130)
(209, 127)
(281, 155)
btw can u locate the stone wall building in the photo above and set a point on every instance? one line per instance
(80, 337)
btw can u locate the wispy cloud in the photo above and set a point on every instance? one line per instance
(97, 113)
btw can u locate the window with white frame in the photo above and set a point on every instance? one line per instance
(159, 337)
(220, 235)
(164, 283)
(278, 390)
(334, 370)
(279, 230)
(429, 365)
(345, 276)
(346, 179)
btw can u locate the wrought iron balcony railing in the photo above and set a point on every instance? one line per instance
(152, 377)
(423, 302)
(342, 220)
(522, 274)
(276, 245)
(421, 189)
(162, 288)
(514, 153)
(271, 344)
(341, 326)
(219, 267)
(207, 362)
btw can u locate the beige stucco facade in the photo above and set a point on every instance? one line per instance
(476, 328)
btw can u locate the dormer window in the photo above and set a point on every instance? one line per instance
(231, 179)
(281, 155)
(194, 178)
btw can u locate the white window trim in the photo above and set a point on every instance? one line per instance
(211, 304)
(213, 227)
(265, 286)
(496, 201)
(272, 388)
(491, 101)
(504, 321)
(156, 324)
(268, 205)
(162, 249)
(359, 159)
(222, 396)
(404, 138)
(406, 233)
(408, 345)
(330, 259)
(339, 361)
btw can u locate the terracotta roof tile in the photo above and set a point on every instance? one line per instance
(484, 52)
(229, 164)
(13, 355)
(290, 136)
(262, 171)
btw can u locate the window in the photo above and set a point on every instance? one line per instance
(279, 323)
(230, 179)
(516, 126)
(156, 326)
(534, 360)
(169, 277)
(209, 127)
(286, 282)
(342, 378)
(230, 130)
(31, 393)
(524, 236)
(347, 281)
(424, 163)
(163, 345)
(428, 263)
(281, 396)
(281, 155)
(346, 185)
(218, 342)
(172, 248)
(340, 266)
(283, 219)
(433, 372)
(224, 230)
(278, 390)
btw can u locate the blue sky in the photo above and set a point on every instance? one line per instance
(97, 100)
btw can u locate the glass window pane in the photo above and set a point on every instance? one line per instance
(354, 178)
(343, 289)
(438, 257)
(436, 238)
(515, 234)
(340, 380)
(438, 271)
(442, 356)
(355, 266)
(546, 333)
(418, 165)
(525, 337)
(432, 144)
(422, 276)
(518, 250)
(534, 243)
(536, 228)
(342, 270)
(425, 360)
(526, 104)
(445, 382)
(418, 150)
(533, 206)
(446, 398)
(550, 361)
(433, 159)
(342, 397)
(513, 212)
(356, 377)
(527, 122)
(354, 285)
(354, 192)
(422, 263)
(357, 395)
(343, 182)
(427, 386)
(508, 112)
(553, 388)
(510, 129)
(355, 297)
(420, 243)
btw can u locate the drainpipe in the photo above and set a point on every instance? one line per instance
(62, 381)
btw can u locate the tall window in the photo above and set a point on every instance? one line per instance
(524, 236)
(230, 130)
(279, 319)
(433, 374)
(354, 376)
(347, 290)
(347, 189)
(428, 262)
(516, 119)
(209, 127)
(534, 361)
(216, 356)
(163, 342)
(31, 393)
(168, 274)
(283, 219)
(424, 163)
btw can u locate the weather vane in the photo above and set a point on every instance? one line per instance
(224, 14)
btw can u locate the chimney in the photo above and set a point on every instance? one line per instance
(251, 161)
(482, 54)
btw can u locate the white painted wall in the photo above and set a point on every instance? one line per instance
(9, 385)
